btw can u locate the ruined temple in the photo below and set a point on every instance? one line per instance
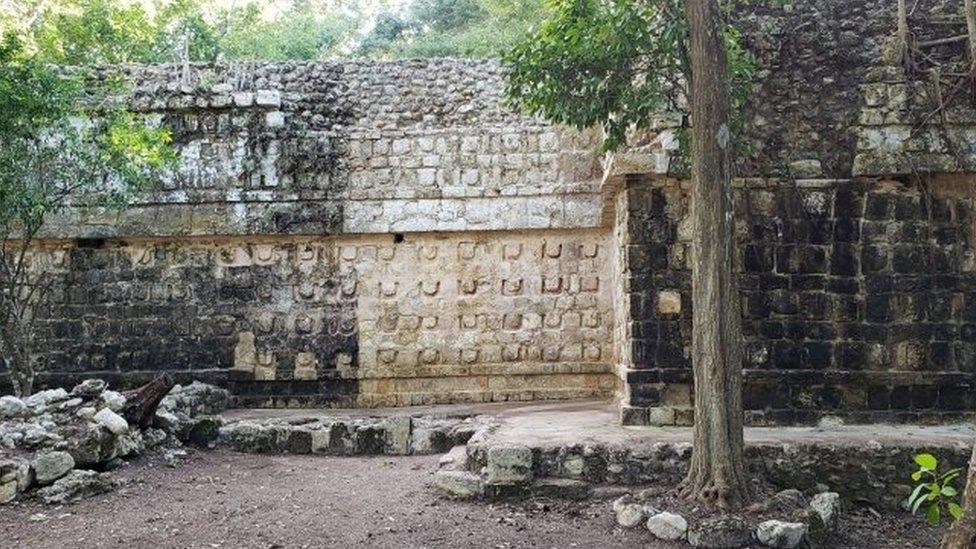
(372, 233)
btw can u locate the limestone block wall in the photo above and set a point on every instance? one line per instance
(859, 300)
(359, 320)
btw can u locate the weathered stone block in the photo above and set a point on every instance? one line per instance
(509, 464)
(460, 484)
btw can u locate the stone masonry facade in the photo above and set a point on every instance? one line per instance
(370, 233)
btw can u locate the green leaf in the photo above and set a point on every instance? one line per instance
(949, 491)
(927, 462)
(915, 497)
(955, 510)
(950, 476)
(933, 515)
(918, 503)
(917, 476)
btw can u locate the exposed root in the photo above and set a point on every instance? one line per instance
(709, 492)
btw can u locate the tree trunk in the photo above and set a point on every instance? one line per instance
(140, 404)
(962, 535)
(903, 36)
(717, 473)
(19, 366)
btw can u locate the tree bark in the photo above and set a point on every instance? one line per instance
(962, 535)
(140, 404)
(903, 35)
(19, 366)
(717, 473)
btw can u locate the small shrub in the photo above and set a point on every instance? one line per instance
(936, 490)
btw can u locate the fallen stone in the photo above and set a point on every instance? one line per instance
(509, 464)
(620, 502)
(86, 412)
(631, 514)
(826, 506)
(720, 533)
(38, 436)
(113, 400)
(90, 388)
(782, 535)
(129, 444)
(42, 399)
(668, 526)
(459, 484)
(77, 485)
(561, 488)
(455, 459)
(93, 447)
(174, 458)
(786, 500)
(154, 437)
(195, 399)
(18, 471)
(51, 466)
(112, 421)
(70, 403)
(11, 407)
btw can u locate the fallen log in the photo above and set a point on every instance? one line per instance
(140, 404)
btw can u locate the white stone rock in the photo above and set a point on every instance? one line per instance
(274, 119)
(827, 507)
(269, 98)
(43, 398)
(243, 99)
(620, 502)
(668, 526)
(631, 514)
(11, 406)
(86, 412)
(781, 535)
(51, 466)
(89, 388)
(114, 422)
(114, 400)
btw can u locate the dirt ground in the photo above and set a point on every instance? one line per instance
(219, 499)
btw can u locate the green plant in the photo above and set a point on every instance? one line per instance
(935, 489)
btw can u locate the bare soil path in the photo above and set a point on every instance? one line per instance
(227, 500)
(235, 500)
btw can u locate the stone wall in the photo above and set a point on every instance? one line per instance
(367, 321)
(858, 297)
(388, 233)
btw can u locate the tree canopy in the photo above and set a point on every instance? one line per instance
(620, 64)
(84, 32)
(64, 143)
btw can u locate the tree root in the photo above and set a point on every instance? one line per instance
(709, 492)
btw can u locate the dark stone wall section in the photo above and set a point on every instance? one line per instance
(858, 300)
(127, 313)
